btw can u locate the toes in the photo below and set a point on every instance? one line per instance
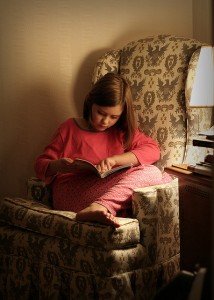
(112, 220)
(103, 217)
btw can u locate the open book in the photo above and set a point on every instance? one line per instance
(85, 165)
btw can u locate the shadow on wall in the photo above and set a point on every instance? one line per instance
(33, 120)
(82, 84)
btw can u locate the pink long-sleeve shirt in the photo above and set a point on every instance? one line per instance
(71, 141)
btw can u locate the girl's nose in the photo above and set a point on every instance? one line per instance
(105, 120)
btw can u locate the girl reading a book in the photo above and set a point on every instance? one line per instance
(107, 136)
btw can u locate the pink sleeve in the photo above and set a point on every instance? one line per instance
(145, 148)
(51, 152)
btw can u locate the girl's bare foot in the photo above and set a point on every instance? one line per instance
(97, 213)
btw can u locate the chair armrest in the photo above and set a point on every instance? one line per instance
(39, 191)
(157, 211)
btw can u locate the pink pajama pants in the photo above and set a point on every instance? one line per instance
(75, 192)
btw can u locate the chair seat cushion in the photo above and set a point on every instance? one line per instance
(39, 218)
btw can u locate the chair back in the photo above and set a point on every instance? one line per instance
(156, 69)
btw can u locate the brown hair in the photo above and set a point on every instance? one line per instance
(111, 90)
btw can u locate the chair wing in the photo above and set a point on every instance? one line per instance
(156, 69)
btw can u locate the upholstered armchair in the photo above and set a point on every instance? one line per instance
(47, 254)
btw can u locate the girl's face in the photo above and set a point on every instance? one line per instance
(103, 117)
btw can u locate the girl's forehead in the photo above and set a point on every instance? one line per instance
(111, 110)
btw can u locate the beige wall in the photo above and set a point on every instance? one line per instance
(48, 50)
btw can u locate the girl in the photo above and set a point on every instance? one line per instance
(107, 136)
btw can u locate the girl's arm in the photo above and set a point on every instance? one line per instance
(47, 164)
(143, 150)
(126, 158)
(117, 160)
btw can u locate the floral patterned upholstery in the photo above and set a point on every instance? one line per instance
(157, 68)
(46, 254)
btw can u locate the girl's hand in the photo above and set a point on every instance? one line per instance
(106, 164)
(62, 165)
(65, 165)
